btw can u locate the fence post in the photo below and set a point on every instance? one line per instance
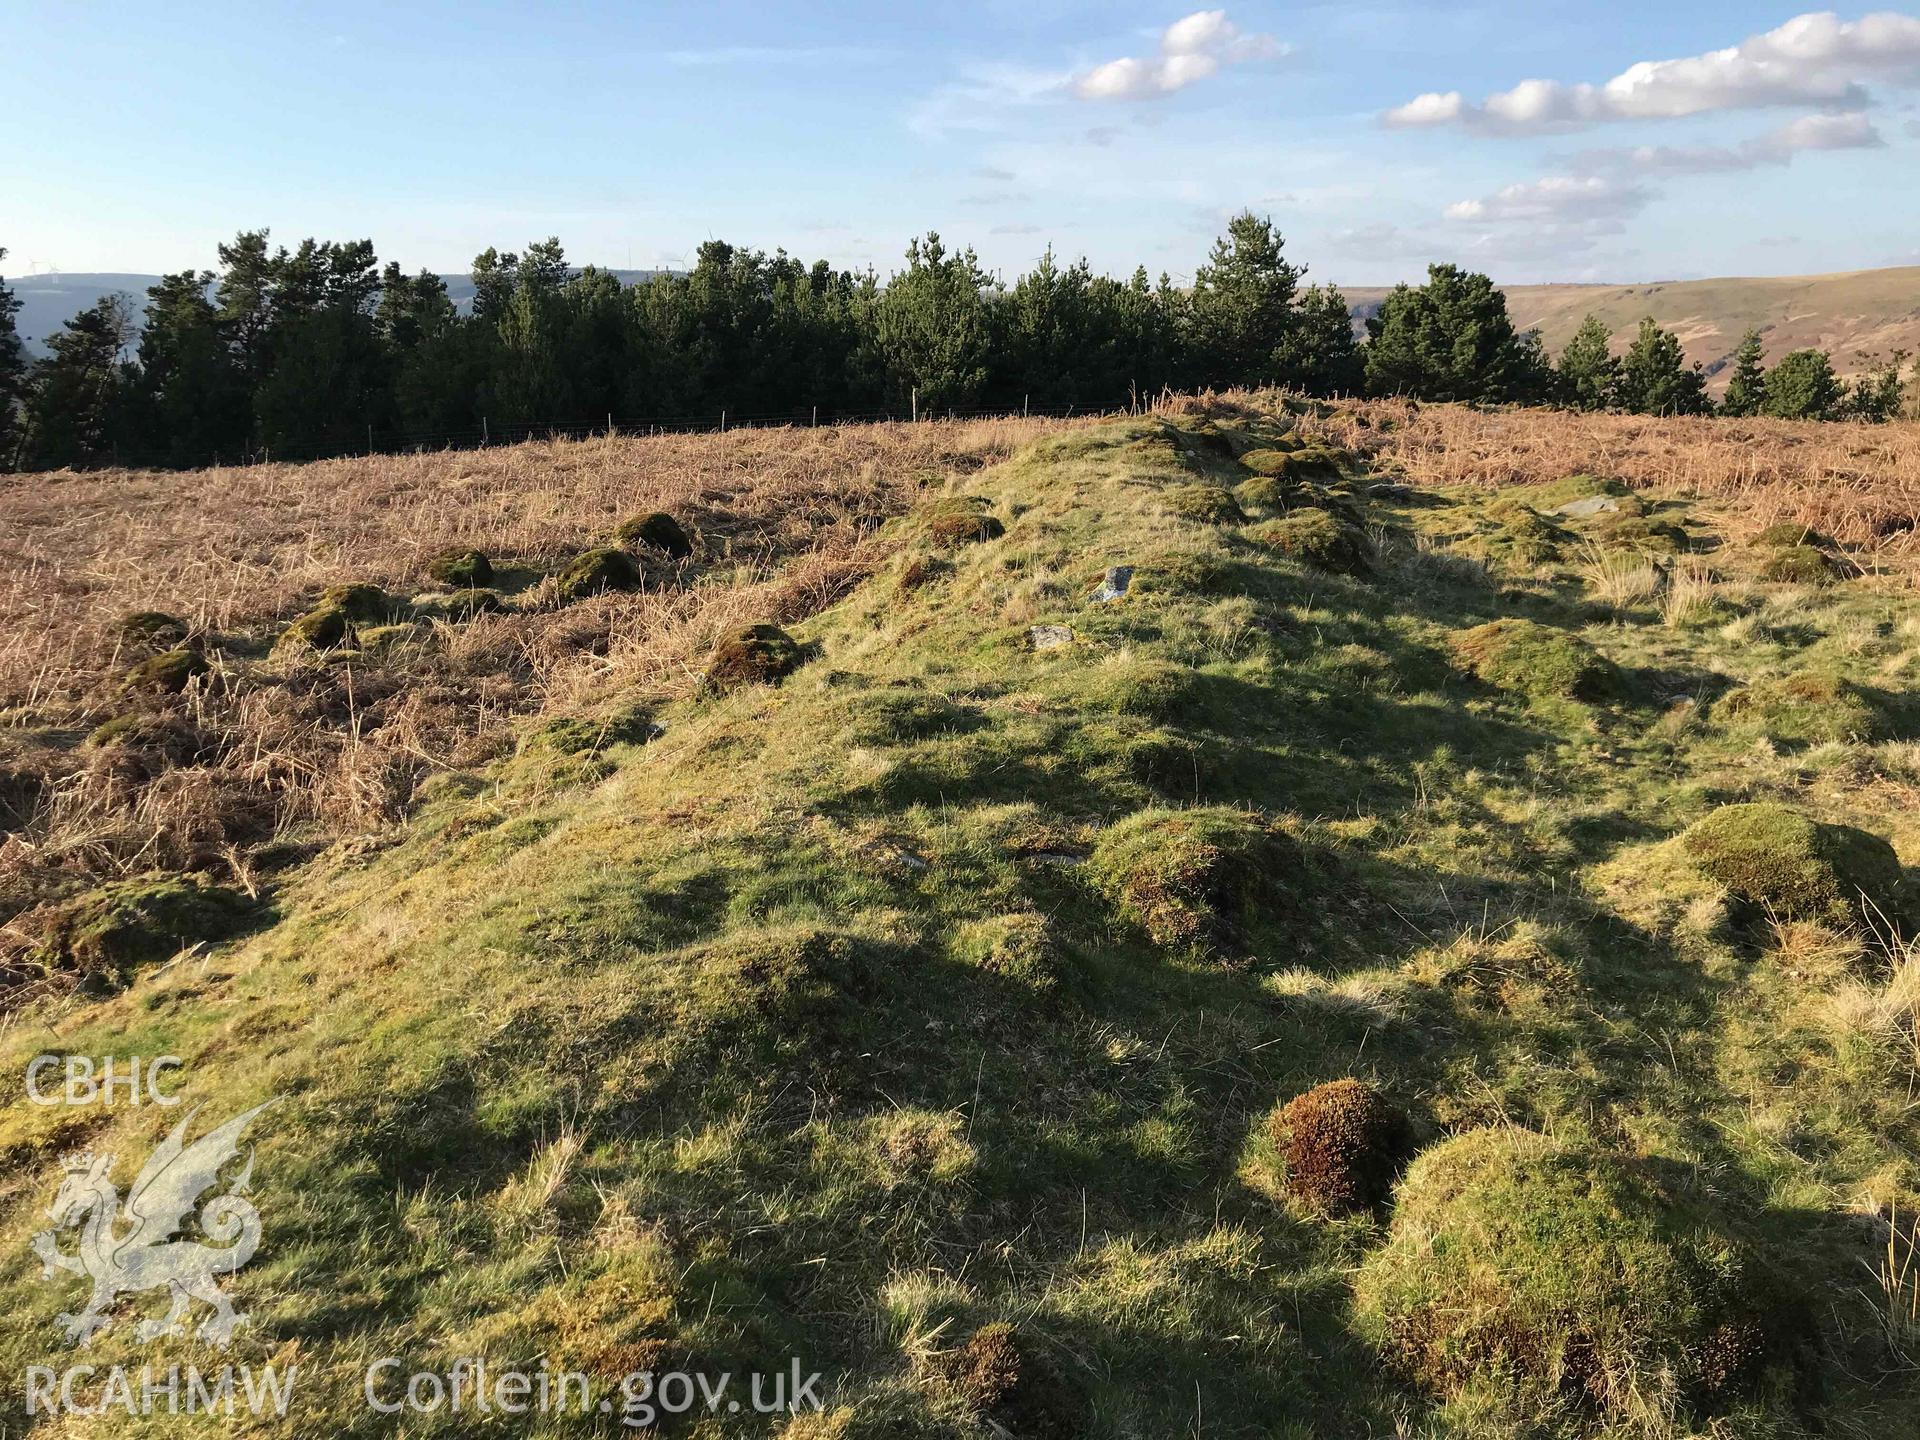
(609, 423)
(369, 439)
(816, 415)
(723, 422)
(1023, 406)
(916, 404)
(483, 432)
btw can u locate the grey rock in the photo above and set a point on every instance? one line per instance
(1119, 579)
(1590, 506)
(1049, 637)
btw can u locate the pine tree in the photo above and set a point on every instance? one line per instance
(1878, 394)
(77, 409)
(1241, 306)
(13, 371)
(1655, 378)
(194, 391)
(1747, 389)
(1450, 339)
(1318, 353)
(931, 325)
(1802, 387)
(1588, 375)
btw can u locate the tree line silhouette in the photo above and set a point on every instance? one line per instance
(319, 350)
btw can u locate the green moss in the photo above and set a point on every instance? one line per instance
(322, 629)
(1636, 532)
(752, 655)
(590, 734)
(161, 734)
(167, 673)
(960, 520)
(461, 569)
(596, 571)
(153, 630)
(1274, 461)
(361, 604)
(465, 604)
(1550, 1282)
(1790, 535)
(1814, 706)
(1535, 660)
(1525, 537)
(120, 926)
(1320, 539)
(1196, 878)
(1208, 504)
(1802, 565)
(1573, 488)
(1776, 860)
(901, 715)
(658, 531)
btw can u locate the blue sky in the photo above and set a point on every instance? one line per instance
(134, 137)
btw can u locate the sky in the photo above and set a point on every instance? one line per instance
(1538, 141)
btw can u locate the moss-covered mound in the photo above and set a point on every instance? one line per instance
(960, 520)
(1306, 462)
(752, 655)
(1554, 1283)
(1534, 659)
(166, 736)
(167, 673)
(1575, 488)
(1022, 947)
(1783, 863)
(1130, 685)
(1637, 532)
(465, 604)
(596, 571)
(322, 628)
(1525, 537)
(120, 926)
(1013, 1385)
(1320, 539)
(362, 604)
(461, 569)
(1208, 504)
(153, 630)
(1790, 535)
(659, 531)
(1272, 460)
(1803, 565)
(1344, 1143)
(1815, 706)
(1196, 878)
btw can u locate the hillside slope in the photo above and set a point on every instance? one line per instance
(1853, 315)
(920, 1003)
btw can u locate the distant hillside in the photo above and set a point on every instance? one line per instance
(1852, 315)
(48, 301)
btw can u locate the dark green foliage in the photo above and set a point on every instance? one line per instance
(13, 371)
(1802, 387)
(931, 325)
(115, 929)
(1655, 378)
(1588, 375)
(660, 531)
(1747, 389)
(1535, 660)
(78, 407)
(1451, 339)
(1879, 394)
(167, 673)
(461, 569)
(1559, 1281)
(1344, 1143)
(1318, 538)
(595, 571)
(1318, 352)
(1788, 865)
(1241, 312)
(752, 655)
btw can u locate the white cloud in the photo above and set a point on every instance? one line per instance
(1815, 59)
(1191, 50)
(1820, 131)
(1556, 198)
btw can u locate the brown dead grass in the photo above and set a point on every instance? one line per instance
(295, 750)
(1858, 483)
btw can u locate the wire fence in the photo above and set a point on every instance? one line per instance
(486, 434)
